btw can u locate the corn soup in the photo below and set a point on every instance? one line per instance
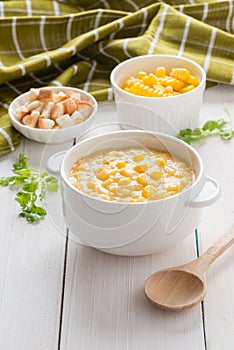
(130, 175)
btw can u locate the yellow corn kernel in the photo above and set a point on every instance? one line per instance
(91, 185)
(157, 93)
(102, 174)
(127, 89)
(141, 168)
(150, 92)
(114, 189)
(156, 174)
(142, 179)
(82, 168)
(138, 157)
(150, 79)
(120, 164)
(145, 90)
(124, 192)
(124, 172)
(124, 181)
(187, 89)
(173, 188)
(160, 72)
(192, 80)
(130, 82)
(105, 197)
(180, 73)
(141, 74)
(170, 171)
(136, 187)
(161, 162)
(106, 183)
(149, 192)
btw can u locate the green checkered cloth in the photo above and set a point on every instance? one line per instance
(78, 42)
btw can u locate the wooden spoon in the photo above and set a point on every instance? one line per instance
(181, 287)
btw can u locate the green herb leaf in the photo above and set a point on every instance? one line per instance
(34, 187)
(220, 127)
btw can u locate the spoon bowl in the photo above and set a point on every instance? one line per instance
(175, 289)
(179, 288)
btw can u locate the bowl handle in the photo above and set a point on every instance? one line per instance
(209, 193)
(54, 162)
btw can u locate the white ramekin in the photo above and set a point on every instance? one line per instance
(162, 114)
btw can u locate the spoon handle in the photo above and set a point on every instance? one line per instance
(212, 253)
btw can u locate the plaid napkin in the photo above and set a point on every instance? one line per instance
(79, 42)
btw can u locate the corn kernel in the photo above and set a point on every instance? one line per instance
(140, 168)
(173, 188)
(180, 73)
(120, 164)
(161, 162)
(124, 172)
(106, 183)
(149, 192)
(91, 185)
(141, 74)
(138, 157)
(125, 181)
(187, 89)
(102, 174)
(142, 179)
(156, 174)
(193, 80)
(160, 72)
(124, 192)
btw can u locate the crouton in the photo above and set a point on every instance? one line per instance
(21, 112)
(31, 119)
(85, 109)
(47, 110)
(45, 123)
(69, 106)
(60, 96)
(33, 94)
(57, 111)
(64, 121)
(77, 117)
(45, 95)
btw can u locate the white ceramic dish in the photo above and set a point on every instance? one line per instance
(162, 114)
(52, 136)
(135, 228)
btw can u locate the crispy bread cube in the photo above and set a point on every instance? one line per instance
(69, 105)
(47, 110)
(65, 121)
(31, 119)
(45, 123)
(21, 112)
(45, 95)
(57, 111)
(77, 117)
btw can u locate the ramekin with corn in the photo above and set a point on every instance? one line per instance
(158, 92)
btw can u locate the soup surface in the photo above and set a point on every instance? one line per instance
(130, 175)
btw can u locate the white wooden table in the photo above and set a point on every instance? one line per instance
(58, 295)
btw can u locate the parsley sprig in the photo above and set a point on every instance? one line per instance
(34, 187)
(220, 127)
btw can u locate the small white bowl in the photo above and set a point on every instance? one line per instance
(54, 136)
(162, 114)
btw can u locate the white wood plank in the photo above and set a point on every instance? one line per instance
(218, 157)
(105, 307)
(31, 272)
